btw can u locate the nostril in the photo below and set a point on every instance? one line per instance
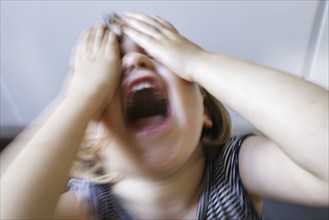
(142, 64)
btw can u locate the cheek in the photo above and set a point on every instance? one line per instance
(113, 118)
(186, 101)
(188, 118)
(193, 104)
(188, 109)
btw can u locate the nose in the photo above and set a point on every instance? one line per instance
(136, 60)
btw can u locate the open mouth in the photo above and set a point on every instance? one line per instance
(145, 105)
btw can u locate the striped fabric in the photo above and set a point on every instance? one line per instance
(223, 195)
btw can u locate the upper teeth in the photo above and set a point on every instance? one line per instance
(142, 85)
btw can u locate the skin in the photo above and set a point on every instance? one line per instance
(295, 151)
(158, 168)
(34, 193)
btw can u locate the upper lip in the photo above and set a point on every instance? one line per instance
(138, 76)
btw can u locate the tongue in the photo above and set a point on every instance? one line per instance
(149, 123)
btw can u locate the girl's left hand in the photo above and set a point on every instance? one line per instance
(163, 42)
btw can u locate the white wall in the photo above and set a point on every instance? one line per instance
(317, 69)
(37, 36)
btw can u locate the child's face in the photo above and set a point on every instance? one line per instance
(155, 119)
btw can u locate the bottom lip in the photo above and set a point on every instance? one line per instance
(160, 127)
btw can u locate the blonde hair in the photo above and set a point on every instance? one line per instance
(90, 166)
(214, 138)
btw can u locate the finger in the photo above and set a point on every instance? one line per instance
(83, 34)
(112, 44)
(142, 27)
(91, 40)
(103, 46)
(99, 36)
(145, 18)
(75, 50)
(140, 38)
(105, 40)
(158, 23)
(165, 23)
(83, 41)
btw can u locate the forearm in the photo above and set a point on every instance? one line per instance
(33, 181)
(291, 112)
(18, 144)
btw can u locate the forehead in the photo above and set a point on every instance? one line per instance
(128, 45)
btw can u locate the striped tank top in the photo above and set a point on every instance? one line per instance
(223, 196)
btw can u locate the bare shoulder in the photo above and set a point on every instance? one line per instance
(247, 151)
(70, 207)
(268, 172)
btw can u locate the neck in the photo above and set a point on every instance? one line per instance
(175, 196)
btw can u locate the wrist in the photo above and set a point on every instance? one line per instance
(201, 66)
(88, 103)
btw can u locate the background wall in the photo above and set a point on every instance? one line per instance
(37, 36)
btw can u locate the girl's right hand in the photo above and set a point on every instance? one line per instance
(95, 66)
(163, 42)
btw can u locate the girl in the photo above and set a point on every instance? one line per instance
(169, 154)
